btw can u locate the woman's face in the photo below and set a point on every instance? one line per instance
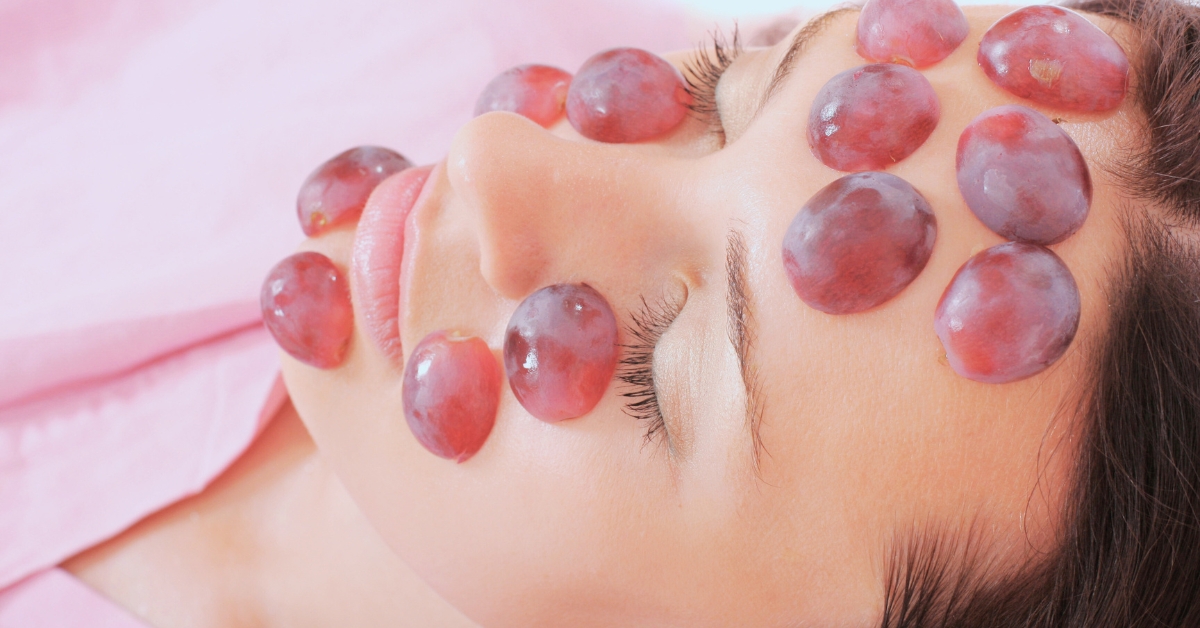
(775, 507)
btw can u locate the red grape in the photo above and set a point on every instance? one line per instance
(858, 242)
(337, 190)
(538, 92)
(306, 307)
(560, 351)
(451, 394)
(872, 116)
(1056, 58)
(626, 95)
(1010, 312)
(1023, 176)
(917, 33)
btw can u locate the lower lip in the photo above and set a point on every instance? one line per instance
(378, 251)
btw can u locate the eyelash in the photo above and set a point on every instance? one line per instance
(704, 70)
(636, 369)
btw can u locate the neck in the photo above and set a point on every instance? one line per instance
(275, 540)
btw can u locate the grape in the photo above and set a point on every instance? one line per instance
(872, 116)
(917, 33)
(1023, 176)
(1010, 312)
(337, 190)
(858, 242)
(626, 95)
(538, 92)
(306, 307)
(451, 394)
(1056, 58)
(560, 351)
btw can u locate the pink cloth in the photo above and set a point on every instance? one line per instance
(151, 151)
(55, 599)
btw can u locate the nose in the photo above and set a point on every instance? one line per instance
(552, 210)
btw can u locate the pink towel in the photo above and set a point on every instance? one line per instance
(55, 599)
(150, 152)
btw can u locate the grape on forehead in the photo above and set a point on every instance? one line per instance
(872, 116)
(858, 242)
(1009, 313)
(1023, 176)
(917, 33)
(1056, 58)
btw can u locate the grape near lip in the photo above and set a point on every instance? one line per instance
(451, 394)
(306, 306)
(338, 189)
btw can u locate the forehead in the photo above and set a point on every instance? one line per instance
(865, 404)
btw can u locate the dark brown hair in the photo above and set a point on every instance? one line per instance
(1129, 552)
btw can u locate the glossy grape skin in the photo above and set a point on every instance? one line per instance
(1009, 313)
(916, 33)
(306, 306)
(451, 394)
(626, 95)
(872, 116)
(1056, 58)
(338, 189)
(538, 92)
(858, 242)
(1023, 176)
(560, 351)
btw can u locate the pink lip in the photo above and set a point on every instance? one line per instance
(378, 252)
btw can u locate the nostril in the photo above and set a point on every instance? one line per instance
(498, 168)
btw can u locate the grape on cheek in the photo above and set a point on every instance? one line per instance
(560, 351)
(538, 92)
(626, 95)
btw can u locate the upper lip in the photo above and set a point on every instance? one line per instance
(411, 243)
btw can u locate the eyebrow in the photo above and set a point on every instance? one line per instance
(742, 335)
(800, 41)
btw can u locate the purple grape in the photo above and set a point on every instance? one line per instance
(560, 351)
(1056, 58)
(858, 242)
(1009, 313)
(872, 116)
(626, 95)
(916, 33)
(1023, 176)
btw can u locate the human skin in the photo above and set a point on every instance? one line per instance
(867, 435)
